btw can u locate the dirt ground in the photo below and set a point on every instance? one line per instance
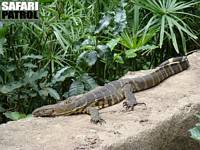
(163, 125)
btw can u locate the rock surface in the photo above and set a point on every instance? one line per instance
(163, 125)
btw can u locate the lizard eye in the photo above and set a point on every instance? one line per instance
(48, 112)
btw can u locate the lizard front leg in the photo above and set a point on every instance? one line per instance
(94, 113)
(130, 100)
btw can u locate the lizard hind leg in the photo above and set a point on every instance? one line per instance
(130, 100)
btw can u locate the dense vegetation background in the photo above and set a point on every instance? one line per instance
(79, 44)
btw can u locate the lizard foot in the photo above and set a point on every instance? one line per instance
(97, 120)
(131, 106)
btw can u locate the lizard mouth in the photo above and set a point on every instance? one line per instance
(47, 111)
(55, 110)
(43, 112)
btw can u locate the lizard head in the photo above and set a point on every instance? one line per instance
(62, 108)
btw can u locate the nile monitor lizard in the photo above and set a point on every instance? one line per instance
(113, 93)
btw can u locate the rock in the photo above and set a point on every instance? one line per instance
(163, 125)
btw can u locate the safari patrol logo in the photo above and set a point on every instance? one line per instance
(19, 10)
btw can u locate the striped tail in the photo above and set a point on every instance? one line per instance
(163, 71)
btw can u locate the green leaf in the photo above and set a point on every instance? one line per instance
(195, 133)
(146, 47)
(183, 29)
(198, 116)
(2, 42)
(88, 44)
(183, 41)
(31, 76)
(112, 43)
(11, 68)
(127, 41)
(120, 16)
(14, 115)
(88, 58)
(29, 116)
(117, 58)
(104, 22)
(43, 92)
(102, 50)
(89, 82)
(64, 73)
(136, 18)
(166, 15)
(3, 30)
(53, 93)
(62, 41)
(151, 22)
(76, 88)
(162, 31)
(10, 87)
(32, 56)
(173, 35)
(29, 65)
(120, 20)
(131, 53)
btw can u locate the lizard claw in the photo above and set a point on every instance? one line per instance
(131, 106)
(97, 120)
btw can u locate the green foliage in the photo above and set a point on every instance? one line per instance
(14, 115)
(78, 45)
(136, 42)
(168, 17)
(195, 132)
(87, 58)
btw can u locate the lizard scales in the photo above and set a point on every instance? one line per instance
(114, 92)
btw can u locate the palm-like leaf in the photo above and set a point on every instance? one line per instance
(167, 16)
(137, 42)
